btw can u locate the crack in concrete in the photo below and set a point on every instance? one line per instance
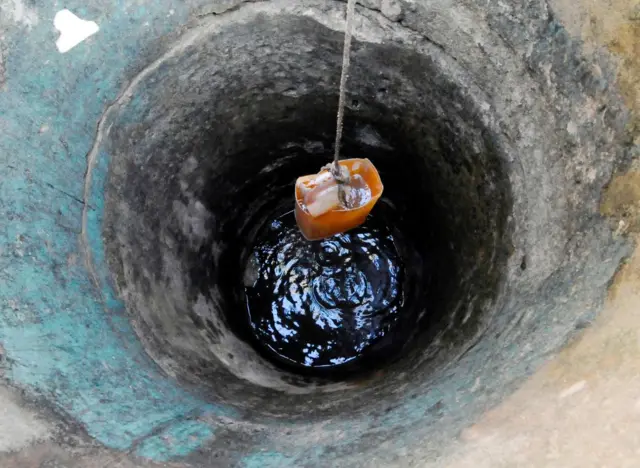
(63, 192)
(400, 20)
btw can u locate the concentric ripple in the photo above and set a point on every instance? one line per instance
(325, 303)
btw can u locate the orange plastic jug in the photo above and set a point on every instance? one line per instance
(338, 219)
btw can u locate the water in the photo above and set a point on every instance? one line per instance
(323, 304)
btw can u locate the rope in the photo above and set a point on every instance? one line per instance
(346, 56)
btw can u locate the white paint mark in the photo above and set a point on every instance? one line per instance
(73, 30)
(575, 388)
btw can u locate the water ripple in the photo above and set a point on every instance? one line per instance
(323, 303)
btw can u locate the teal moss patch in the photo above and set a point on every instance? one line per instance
(178, 440)
(268, 460)
(63, 341)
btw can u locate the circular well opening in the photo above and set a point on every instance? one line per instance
(205, 156)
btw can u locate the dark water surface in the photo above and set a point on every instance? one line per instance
(323, 304)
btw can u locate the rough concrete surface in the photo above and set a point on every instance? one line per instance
(620, 202)
(582, 409)
(18, 426)
(50, 455)
(614, 25)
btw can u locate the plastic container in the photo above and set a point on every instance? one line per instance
(339, 219)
